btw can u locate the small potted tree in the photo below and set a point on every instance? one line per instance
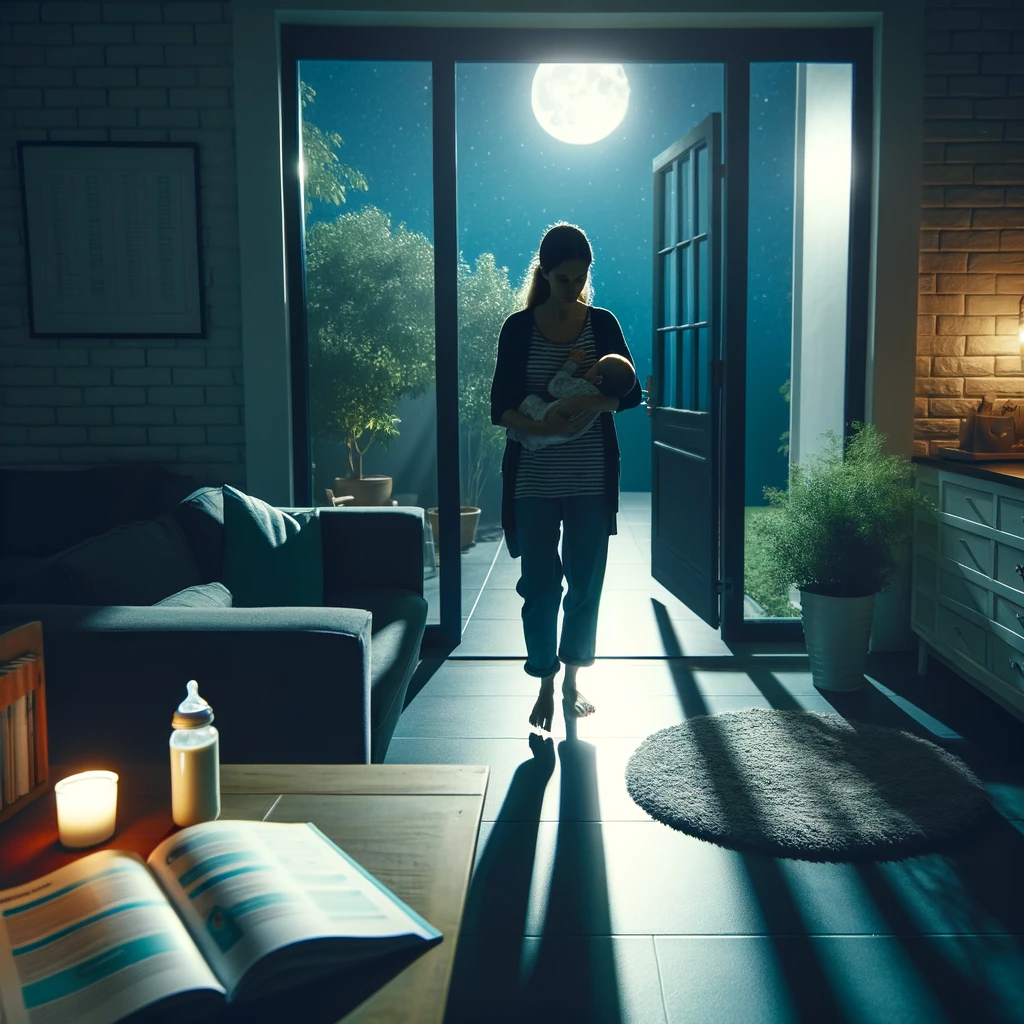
(835, 534)
(370, 317)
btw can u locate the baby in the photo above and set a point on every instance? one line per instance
(611, 375)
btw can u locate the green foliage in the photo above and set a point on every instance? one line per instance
(370, 316)
(486, 298)
(838, 527)
(326, 177)
(784, 390)
(758, 583)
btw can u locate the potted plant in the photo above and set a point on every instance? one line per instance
(370, 323)
(835, 534)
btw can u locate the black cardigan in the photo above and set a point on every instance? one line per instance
(508, 389)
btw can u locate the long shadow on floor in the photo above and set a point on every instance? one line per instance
(800, 968)
(485, 982)
(574, 976)
(970, 881)
(568, 973)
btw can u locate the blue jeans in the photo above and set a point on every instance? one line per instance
(584, 556)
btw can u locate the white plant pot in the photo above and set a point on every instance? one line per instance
(837, 631)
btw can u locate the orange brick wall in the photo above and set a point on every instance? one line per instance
(972, 217)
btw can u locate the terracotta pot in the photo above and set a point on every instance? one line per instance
(367, 490)
(469, 516)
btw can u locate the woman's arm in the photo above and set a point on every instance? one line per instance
(553, 426)
(508, 384)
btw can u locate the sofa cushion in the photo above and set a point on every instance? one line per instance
(138, 563)
(201, 516)
(44, 511)
(205, 595)
(271, 559)
(399, 618)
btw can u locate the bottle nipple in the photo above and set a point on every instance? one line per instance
(193, 711)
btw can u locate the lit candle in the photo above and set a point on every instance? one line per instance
(86, 808)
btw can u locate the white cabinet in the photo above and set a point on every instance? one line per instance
(967, 604)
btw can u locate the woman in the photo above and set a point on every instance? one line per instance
(572, 486)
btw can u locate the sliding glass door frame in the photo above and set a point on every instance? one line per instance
(736, 49)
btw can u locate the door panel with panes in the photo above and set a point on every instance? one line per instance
(684, 394)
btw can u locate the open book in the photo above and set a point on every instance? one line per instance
(221, 912)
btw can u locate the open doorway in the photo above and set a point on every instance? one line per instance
(451, 169)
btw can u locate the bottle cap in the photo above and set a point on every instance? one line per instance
(193, 712)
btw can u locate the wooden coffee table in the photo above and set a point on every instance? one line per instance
(413, 826)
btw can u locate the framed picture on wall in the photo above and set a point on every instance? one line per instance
(112, 239)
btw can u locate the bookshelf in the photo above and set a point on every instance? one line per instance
(24, 757)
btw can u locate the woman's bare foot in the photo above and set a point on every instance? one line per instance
(544, 710)
(573, 702)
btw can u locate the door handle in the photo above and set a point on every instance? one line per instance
(650, 399)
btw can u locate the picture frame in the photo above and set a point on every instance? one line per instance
(112, 239)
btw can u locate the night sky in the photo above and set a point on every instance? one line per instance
(514, 180)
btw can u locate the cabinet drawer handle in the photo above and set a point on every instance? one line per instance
(1020, 571)
(977, 512)
(1017, 665)
(974, 557)
(959, 633)
(1020, 618)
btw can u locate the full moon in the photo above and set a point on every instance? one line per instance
(580, 103)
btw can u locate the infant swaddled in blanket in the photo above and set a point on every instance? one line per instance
(611, 375)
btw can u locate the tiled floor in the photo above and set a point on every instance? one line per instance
(584, 909)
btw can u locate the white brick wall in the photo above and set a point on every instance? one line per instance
(972, 242)
(146, 71)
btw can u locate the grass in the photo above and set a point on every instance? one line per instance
(775, 602)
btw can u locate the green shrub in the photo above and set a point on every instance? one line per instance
(837, 529)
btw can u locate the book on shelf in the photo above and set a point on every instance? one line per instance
(18, 727)
(227, 912)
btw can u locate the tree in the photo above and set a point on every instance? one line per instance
(326, 178)
(370, 317)
(486, 298)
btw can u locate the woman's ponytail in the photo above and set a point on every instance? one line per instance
(538, 288)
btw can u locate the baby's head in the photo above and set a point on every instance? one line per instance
(613, 375)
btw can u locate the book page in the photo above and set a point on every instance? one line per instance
(246, 889)
(93, 942)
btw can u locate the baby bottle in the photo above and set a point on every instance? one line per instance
(195, 761)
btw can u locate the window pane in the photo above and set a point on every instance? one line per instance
(703, 310)
(703, 203)
(670, 216)
(369, 263)
(686, 196)
(703, 370)
(670, 291)
(688, 375)
(670, 391)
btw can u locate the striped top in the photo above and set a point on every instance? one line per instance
(577, 466)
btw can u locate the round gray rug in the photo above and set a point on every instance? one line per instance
(802, 784)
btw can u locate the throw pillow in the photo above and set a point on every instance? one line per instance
(138, 564)
(205, 595)
(271, 559)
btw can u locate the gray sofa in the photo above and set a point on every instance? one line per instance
(287, 684)
(44, 511)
